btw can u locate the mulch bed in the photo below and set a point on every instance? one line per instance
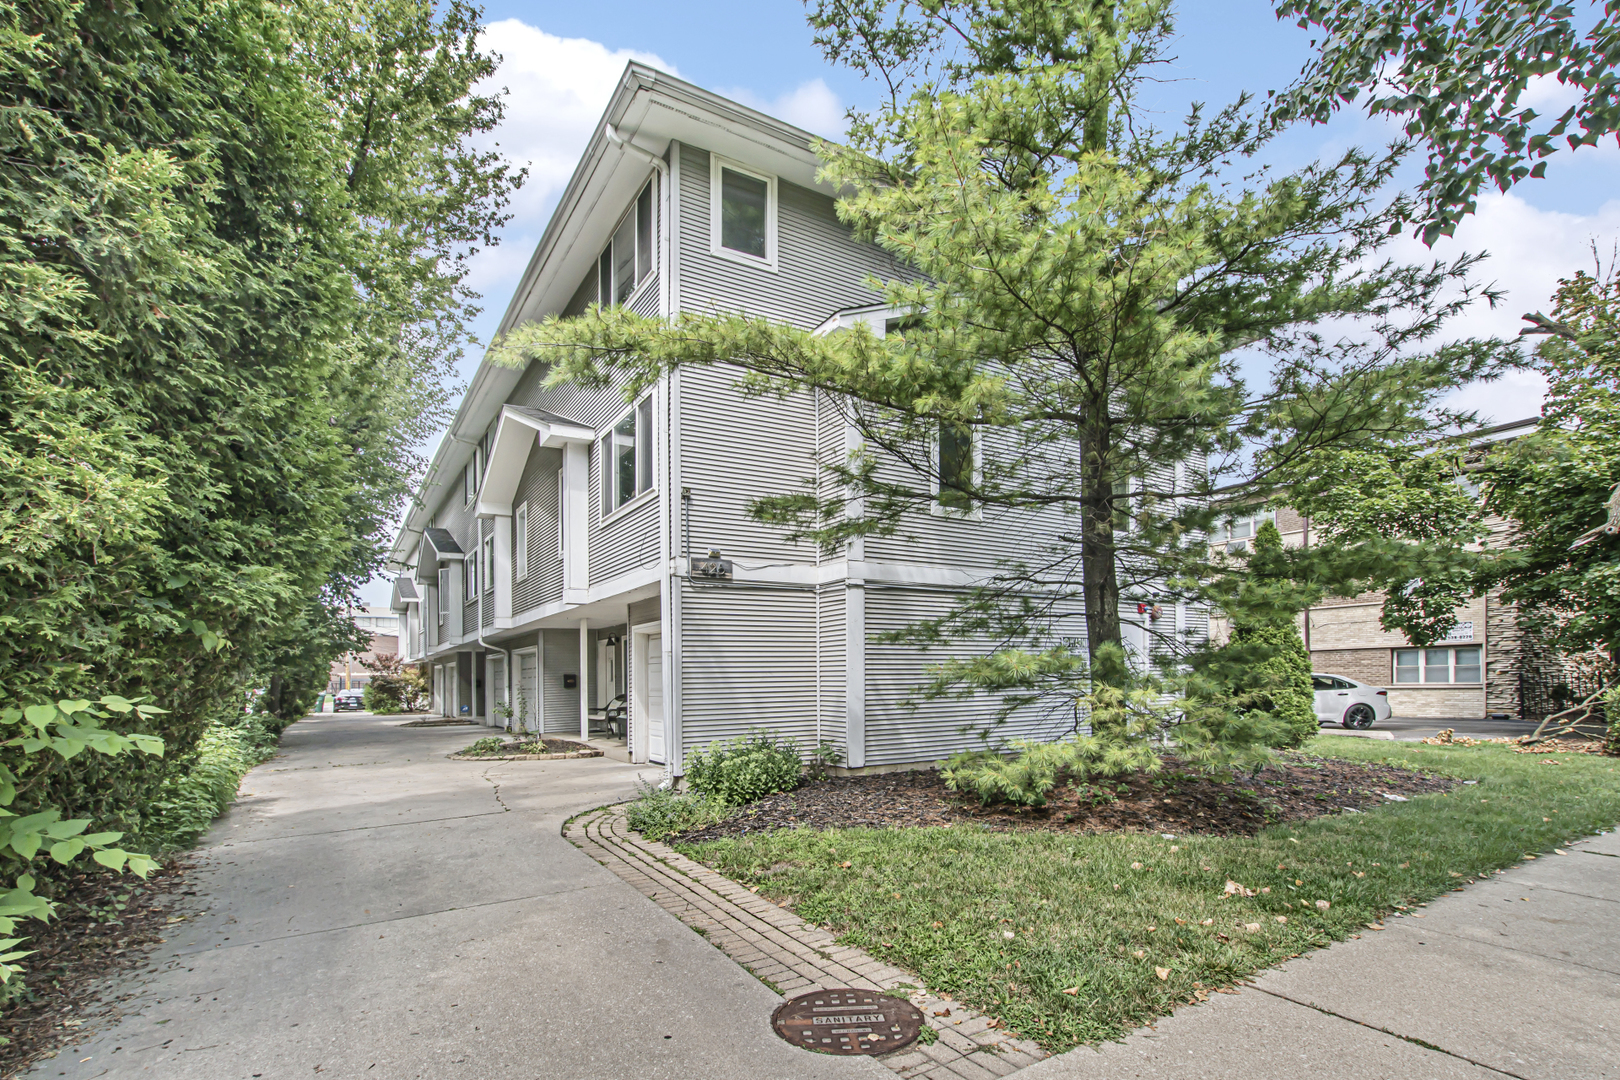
(89, 942)
(1177, 801)
(515, 748)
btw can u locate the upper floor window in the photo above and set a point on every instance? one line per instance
(486, 568)
(628, 259)
(743, 212)
(562, 511)
(627, 457)
(520, 542)
(472, 475)
(471, 566)
(956, 457)
(444, 595)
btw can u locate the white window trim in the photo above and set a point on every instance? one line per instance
(1423, 667)
(935, 507)
(486, 567)
(651, 276)
(469, 575)
(604, 515)
(520, 542)
(716, 163)
(442, 600)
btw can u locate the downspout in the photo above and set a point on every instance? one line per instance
(478, 553)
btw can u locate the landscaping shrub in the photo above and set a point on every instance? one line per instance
(191, 798)
(660, 813)
(489, 744)
(394, 686)
(744, 769)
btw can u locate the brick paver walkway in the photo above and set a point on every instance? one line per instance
(791, 956)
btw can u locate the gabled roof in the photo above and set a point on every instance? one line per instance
(405, 593)
(648, 110)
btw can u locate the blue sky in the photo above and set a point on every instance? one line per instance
(561, 62)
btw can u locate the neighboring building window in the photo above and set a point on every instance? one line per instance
(1460, 665)
(627, 459)
(520, 542)
(487, 569)
(444, 595)
(744, 212)
(955, 455)
(628, 259)
(1236, 532)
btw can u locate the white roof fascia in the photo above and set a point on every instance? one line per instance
(648, 109)
(514, 435)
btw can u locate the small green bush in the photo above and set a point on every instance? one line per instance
(1611, 712)
(489, 744)
(661, 813)
(744, 769)
(192, 797)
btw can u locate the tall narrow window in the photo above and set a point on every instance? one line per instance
(487, 571)
(627, 457)
(443, 599)
(628, 258)
(956, 467)
(471, 565)
(520, 542)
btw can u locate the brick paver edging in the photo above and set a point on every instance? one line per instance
(792, 956)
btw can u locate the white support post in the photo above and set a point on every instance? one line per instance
(855, 674)
(501, 570)
(584, 681)
(576, 550)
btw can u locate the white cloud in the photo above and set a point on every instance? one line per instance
(1530, 249)
(812, 106)
(558, 89)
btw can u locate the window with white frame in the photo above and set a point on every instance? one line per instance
(471, 569)
(956, 468)
(1449, 665)
(444, 595)
(1236, 532)
(743, 212)
(486, 571)
(472, 474)
(627, 457)
(629, 256)
(562, 511)
(1124, 519)
(520, 542)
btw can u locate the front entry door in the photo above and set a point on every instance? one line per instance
(653, 696)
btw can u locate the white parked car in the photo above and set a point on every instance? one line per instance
(1344, 701)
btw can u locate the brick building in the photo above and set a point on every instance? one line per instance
(349, 670)
(1487, 666)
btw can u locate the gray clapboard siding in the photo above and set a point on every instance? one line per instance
(735, 449)
(644, 611)
(748, 660)
(560, 655)
(832, 667)
(538, 488)
(821, 268)
(903, 727)
(645, 301)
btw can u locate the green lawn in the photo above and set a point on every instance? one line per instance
(1006, 923)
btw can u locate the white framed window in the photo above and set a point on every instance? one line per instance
(627, 457)
(1236, 532)
(956, 470)
(742, 213)
(1448, 665)
(486, 571)
(473, 474)
(444, 595)
(520, 542)
(562, 511)
(630, 255)
(471, 565)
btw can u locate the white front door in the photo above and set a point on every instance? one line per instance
(652, 695)
(607, 674)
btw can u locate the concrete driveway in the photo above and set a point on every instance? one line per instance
(371, 909)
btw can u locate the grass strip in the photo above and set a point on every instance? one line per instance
(1073, 939)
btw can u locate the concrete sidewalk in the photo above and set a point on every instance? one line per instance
(371, 909)
(1515, 976)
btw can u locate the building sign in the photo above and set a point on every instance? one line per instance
(712, 569)
(1463, 631)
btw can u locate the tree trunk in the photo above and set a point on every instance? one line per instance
(1099, 567)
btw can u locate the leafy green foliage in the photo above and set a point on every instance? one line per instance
(746, 768)
(659, 813)
(206, 785)
(1458, 74)
(1556, 485)
(1099, 913)
(52, 734)
(394, 686)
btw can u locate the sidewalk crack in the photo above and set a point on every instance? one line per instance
(1393, 1034)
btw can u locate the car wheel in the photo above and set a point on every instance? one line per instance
(1359, 717)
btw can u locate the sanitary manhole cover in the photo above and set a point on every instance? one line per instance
(847, 1022)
